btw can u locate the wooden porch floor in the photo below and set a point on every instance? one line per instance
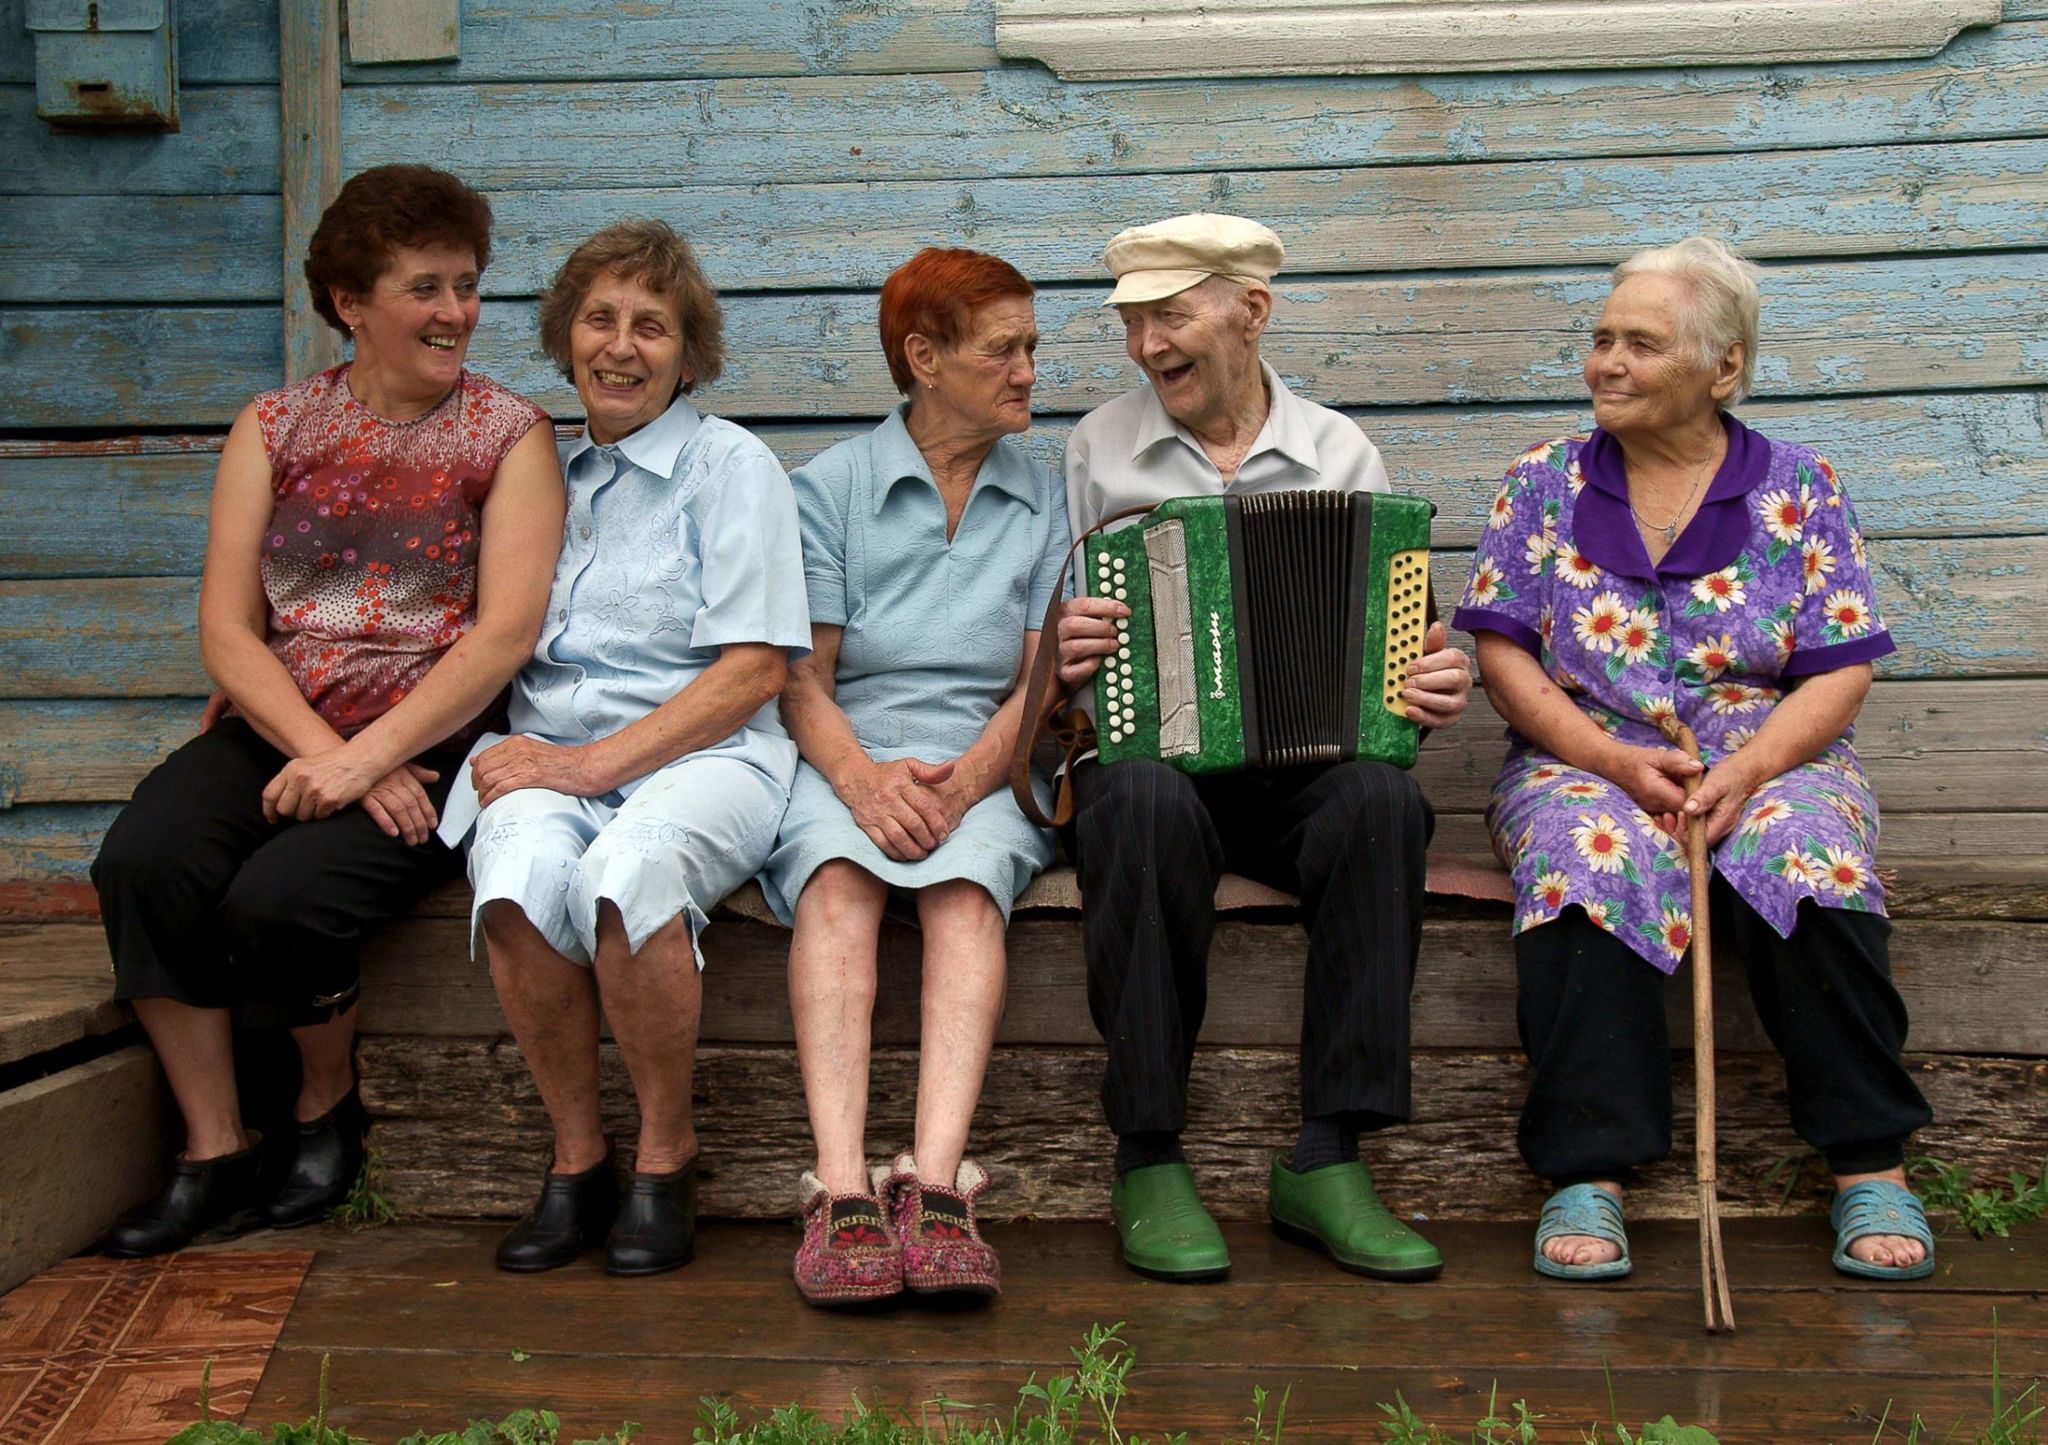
(424, 1332)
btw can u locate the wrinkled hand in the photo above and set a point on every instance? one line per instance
(1439, 681)
(1087, 635)
(530, 763)
(216, 709)
(1723, 795)
(398, 803)
(900, 807)
(318, 785)
(1655, 779)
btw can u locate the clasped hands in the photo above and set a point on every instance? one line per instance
(907, 807)
(320, 785)
(1439, 682)
(1655, 779)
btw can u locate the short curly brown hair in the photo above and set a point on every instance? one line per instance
(380, 210)
(652, 254)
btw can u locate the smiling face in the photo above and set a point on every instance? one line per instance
(983, 383)
(625, 355)
(1644, 370)
(412, 327)
(1200, 348)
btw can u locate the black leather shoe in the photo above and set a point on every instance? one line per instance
(572, 1214)
(328, 1157)
(656, 1229)
(201, 1194)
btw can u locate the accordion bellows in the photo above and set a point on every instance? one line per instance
(1265, 631)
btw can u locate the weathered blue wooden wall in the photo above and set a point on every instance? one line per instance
(1448, 238)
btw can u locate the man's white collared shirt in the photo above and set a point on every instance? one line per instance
(1130, 453)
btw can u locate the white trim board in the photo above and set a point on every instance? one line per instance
(1141, 39)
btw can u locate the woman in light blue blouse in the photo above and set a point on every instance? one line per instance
(930, 545)
(649, 767)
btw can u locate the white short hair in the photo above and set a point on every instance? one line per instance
(1724, 300)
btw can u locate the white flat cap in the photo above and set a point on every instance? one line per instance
(1150, 262)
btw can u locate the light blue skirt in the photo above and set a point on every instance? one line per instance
(995, 846)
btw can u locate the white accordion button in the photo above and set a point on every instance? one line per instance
(1121, 593)
(1124, 652)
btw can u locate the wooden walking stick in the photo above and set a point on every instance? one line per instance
(1713, 1267)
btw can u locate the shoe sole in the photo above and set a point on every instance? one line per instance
(1178, 1276)
(1309, 1239)
(955, 1289)
(852, 1300)
(642, 1271)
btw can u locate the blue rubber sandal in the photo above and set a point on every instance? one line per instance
(1878, 1206)
(1582, 1209)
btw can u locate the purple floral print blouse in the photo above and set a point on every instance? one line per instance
(1768, 583)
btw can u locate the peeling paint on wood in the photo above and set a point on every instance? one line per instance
(1938, 464)
(136, 636)
(1022, 121)
(791, 236)
(1857, 327)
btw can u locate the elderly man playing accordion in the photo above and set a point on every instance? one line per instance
(1150, 841)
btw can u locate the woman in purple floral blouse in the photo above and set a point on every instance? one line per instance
(1676, 564)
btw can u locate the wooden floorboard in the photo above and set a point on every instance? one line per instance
(422, 1330)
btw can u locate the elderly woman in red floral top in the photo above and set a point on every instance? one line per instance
(378, 555)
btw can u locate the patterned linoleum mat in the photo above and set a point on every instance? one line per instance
(109, 1352)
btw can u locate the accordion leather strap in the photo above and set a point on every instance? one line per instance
(1043, 713)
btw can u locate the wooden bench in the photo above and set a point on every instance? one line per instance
(462, 1132)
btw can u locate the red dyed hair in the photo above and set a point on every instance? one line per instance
(933, 294)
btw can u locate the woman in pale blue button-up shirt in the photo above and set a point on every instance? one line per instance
(649, 767)
(930, 545)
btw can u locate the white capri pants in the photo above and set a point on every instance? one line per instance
(688, 834)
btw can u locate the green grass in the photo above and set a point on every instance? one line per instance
(366, 1207)
(1944, 1188)
(1081, 1407)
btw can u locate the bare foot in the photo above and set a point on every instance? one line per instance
(1893, 1251)
(1584, 1248)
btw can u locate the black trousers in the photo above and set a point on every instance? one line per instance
(1592, 1020)
(1149, 844)
(206, 903)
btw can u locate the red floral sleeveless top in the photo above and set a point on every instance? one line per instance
(369, 562)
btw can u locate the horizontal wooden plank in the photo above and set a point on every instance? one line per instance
(136, 636)
(140, 248)
(1857, 201)
(1861, 327)
(1902, 457)
(463, 1133)
(1933, 746)
(1020, 120)
(1936, 464)
(1968, 987)
(226, 144)
(235, 41)
(56, 988)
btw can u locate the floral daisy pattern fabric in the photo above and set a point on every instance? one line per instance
(1767, 584)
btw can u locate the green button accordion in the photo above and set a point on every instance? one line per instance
(1266, 630)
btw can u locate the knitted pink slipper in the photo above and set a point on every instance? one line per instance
(849, 1254)
(943, 1251)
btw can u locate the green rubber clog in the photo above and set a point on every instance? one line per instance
(1166, 1232)
(1335, 1209)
